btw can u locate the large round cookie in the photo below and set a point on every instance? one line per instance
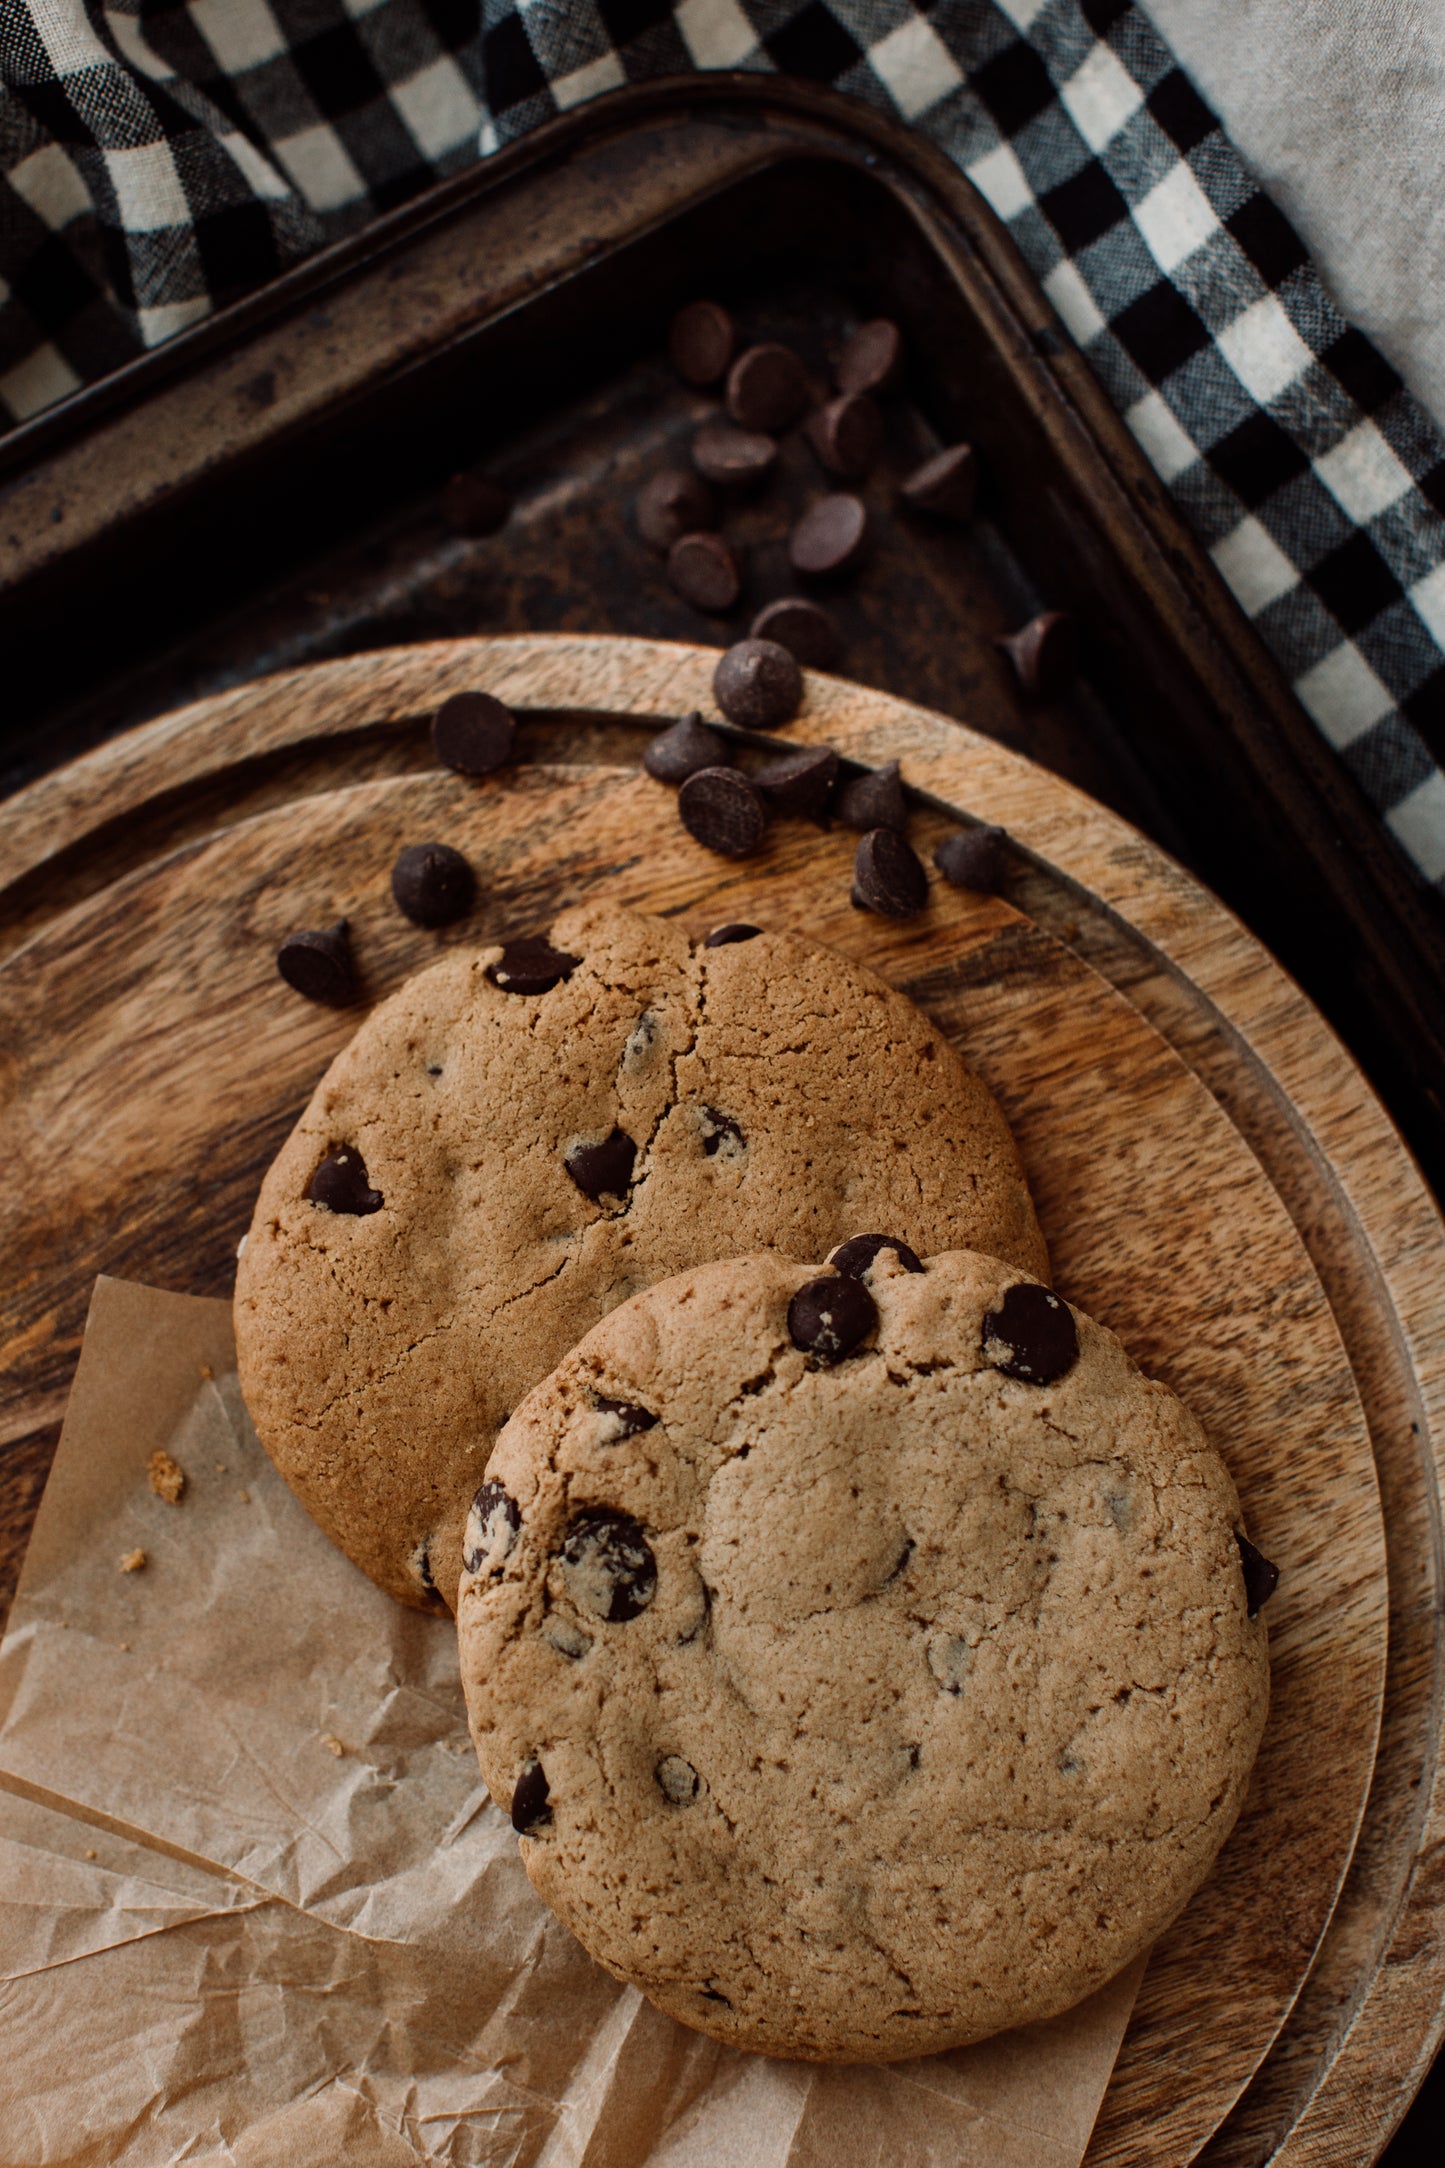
(860, 1704)
(509, 1148)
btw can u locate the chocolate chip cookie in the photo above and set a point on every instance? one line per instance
(870, 1657)
(523, 1137)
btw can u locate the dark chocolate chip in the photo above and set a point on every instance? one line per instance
(473, 733)
(829, 537)
(422, 1562)
(342, 1184)
(726, 936)
(492, 1527)
(873, 358)
(1031, 1335)
(473, 504)
(852, 1258)
(800, 782)
(874, 800)
(677, 1780)
(720, 810)
(719, 1129)
(829, 1316)
(1261, 1577)
(432, 884)
(944, 485)
(758, 685)
(714, 1994)
(530, 1807)
(677, 753)
(674, 503)
(767, 388)
(974, 858)
(1044, 653)
(701, 342)
(531, 966)
(603, 1170)
(631, 1419)
(608, 1566)
(317, 963)
(888, 875)
(803, 627)
(733, 458)
(705, 572)
(847, 434)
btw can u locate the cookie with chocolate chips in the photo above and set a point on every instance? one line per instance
(895, 1681)
(524, 1136)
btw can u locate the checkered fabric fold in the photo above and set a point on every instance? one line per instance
(160, 157)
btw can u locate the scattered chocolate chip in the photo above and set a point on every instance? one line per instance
(1261, 1577)
(608, 1566)
(341, 1183)
(974, 858)
(888, 876)
(852, 1258)
(603, 1170)
(733, 458)
(758, 685)
(677, 1780)
(701, 342)
(1044, 653)
(725, 936)
(718, 1130)
(473, 733)
(630, 1418)
(432, 884)
(473, 504)
(800, 782)
(677, 753)
(720, 810)
(705, 572)
(674, 503)
(767, 388)
(531, 966)
(847, 434)
(944, 485)
(1031, 1335)
(829, 1316)
(874, 800)
(873, 358)
(829, 537)
(530, 1807)
(493, 1523)
(803, 627)
(317, 963)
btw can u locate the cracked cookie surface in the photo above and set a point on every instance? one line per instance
(903, 1699)
(518, 1140)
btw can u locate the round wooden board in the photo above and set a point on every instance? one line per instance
(1213, 1176)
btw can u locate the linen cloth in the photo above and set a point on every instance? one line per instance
(160, 157)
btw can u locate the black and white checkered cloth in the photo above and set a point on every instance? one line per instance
(160, 157)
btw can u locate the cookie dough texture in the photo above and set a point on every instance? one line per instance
(945, 1697)
(777, 1096)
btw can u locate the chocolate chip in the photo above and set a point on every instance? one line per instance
(493, 1523)
(341, 1183)
(1044, 653)
(758, 685)
(718, 1130)
(422, 1563)
(720, 810)
(1261, 1577)
(677, 753)
(701, 341)
(873, 358)
(531, 966)
(432, 884)
(705, 572)
(674, 503)
(767, 388)
(803, 627)
(677, 1780)
(888, 876)
(829, 1316)
(733, 458)
(473, 504)
(631, 1419)
(473, 733)
(847, 434)
(317, 963)
(853, 1257)
(1031, 1335)
(974, 858)
(714, 1994)
(944, 485)
(603, 1170)
(801, 782)
(608, 1566)
(725, 936)
(829, 537)
(874, 800)
(530, 1808)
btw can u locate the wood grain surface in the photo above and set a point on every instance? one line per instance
(1213, 1177)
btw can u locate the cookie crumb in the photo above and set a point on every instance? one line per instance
(220, 1467)
(245, 1497)
(91, 1853)
(132, 1561)
(207, 1371)
(167, 1476)
(124, 1646)
(332, 1744)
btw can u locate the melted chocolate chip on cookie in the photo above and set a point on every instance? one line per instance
(493, 1525)
(630, 1418)
(852, 1258)
(719, 1130)
(608, 1566)
(828, 1317)
(603, 1170)
(341, 1183)
(725, 936)
(531, 1807)
(1031, 1335)
(531, 966)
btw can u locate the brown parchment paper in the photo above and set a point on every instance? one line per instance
(224, 1941)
